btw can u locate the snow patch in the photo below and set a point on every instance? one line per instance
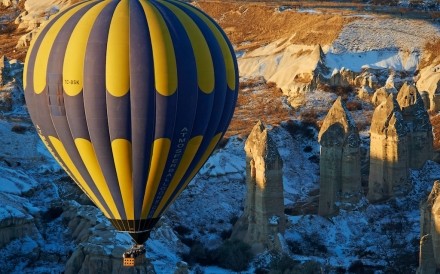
(395, 59)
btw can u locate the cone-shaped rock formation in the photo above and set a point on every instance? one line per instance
(340, 175)
(420, 139)
(263, 216)
(388, 151)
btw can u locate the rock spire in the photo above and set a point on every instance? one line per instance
(420, 139)
(388, 151)
(340, 177)
(263, 216)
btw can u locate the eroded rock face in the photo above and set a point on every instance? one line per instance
(429, 256)
(100, 248)
(388, 152)
(434, 98)
(11, 87)
(340, 171)
(8, 3)
(343, 77)
(367, 79)
(381, 95)
(429, 82)
(420, 139)
(15, 220)
(296, 69)
(365, 92)
(36, 14)
(263, 218)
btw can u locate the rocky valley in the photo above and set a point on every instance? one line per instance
(329, 164)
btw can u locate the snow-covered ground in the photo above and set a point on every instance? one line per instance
(380, 236)
(365, 35)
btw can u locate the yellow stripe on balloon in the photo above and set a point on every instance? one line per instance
(188, 156)
(196, 169)
(159, 156)
(227, 54)
(121, 149)
(60, 162)
(117, 72)
(73, 68)
(31, 47)
(202, 54)
(42, 60)
(61, 151)
(165, 67)
(88, 156)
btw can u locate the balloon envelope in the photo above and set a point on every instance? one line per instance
(131, 97)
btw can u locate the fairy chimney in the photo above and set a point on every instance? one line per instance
(429, 254)
(388, 152)
(263, 217)
(340, 171)
(425, 97)
(4, 66)
(434, 98)
(420, 139)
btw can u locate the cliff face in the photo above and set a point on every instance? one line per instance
(263, 216)
(340, 172)
(296, 69)
(388, 151)
(429, 83)
(15, 221)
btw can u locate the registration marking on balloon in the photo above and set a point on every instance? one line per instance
(176, 156)
(71, 82)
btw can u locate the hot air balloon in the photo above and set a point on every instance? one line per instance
(131, 97)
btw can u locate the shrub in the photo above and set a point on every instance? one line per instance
(385, 2)
(233, 220)
(314, 159)
(362, 125)
(271, 85)
(233, 254)
(283, 264)
(308, 149)
(354, 105)
(52, 213)
(225, 234)
(342, 91)
(316, 243)
(311, 267)
(19, 129)
(310, 116)
(251, 83)
(302, 128)
(182, 230)
(223, 142)
(198, 254)
(295, 247)
(261, 271)
(356, 267)
(188, 241)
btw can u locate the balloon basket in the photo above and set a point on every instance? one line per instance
(134, 256)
